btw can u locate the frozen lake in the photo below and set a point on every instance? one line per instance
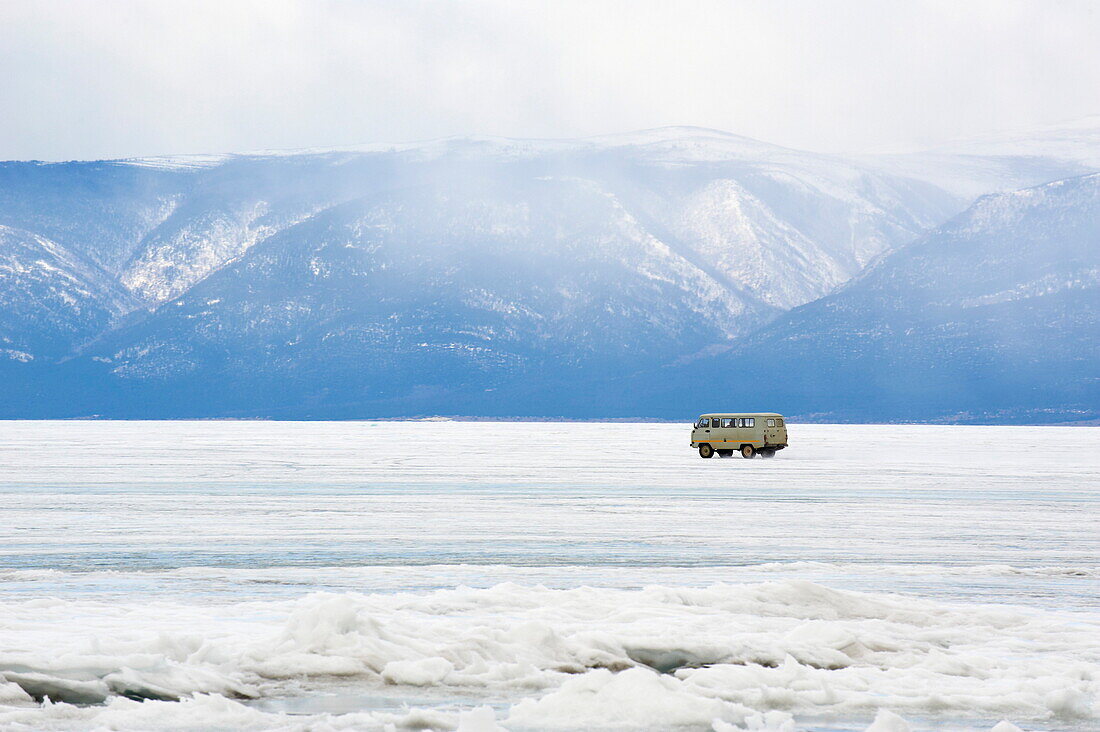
(546, 576)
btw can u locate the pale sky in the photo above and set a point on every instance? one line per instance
(86, 79)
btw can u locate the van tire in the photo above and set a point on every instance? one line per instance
(706, 451)
(725, 453)
(748, 452)
(767, 452)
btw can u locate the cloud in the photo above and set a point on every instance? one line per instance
(109, 78)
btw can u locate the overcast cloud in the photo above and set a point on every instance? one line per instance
(114, 78)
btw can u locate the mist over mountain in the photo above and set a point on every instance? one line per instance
(1006, 161)
(478, 276)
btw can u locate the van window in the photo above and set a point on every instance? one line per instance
(750, 422)
(771, 423)
(780, 422)
(737, 422)
(726, 422)
(703, 422)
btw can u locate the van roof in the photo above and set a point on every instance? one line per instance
(740, 414)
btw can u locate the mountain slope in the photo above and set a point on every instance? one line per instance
(997, 313)
(99, 211)
(785, 225)
(50, 299)
(441, 290)
(236, 203)
(687, 188)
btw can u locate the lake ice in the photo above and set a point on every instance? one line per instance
(526, 576)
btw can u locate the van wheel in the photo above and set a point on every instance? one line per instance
(706, 451)
(725, 453)
(767, 453)
(748, 452)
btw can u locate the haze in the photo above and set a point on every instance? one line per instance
(122, 78)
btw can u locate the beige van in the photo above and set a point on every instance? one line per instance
(761, 434)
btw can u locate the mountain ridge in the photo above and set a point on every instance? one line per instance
(328, 283)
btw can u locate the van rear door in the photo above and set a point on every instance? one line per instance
(772, 431)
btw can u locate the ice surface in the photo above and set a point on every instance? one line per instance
(485, 576)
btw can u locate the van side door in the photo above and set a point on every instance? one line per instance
(726, 432)
(750, 432)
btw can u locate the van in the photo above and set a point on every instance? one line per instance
(761, 433)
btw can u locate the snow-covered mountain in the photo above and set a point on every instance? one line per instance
(51, 300)
(994, 315)
(437, 276)
(786, 225)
